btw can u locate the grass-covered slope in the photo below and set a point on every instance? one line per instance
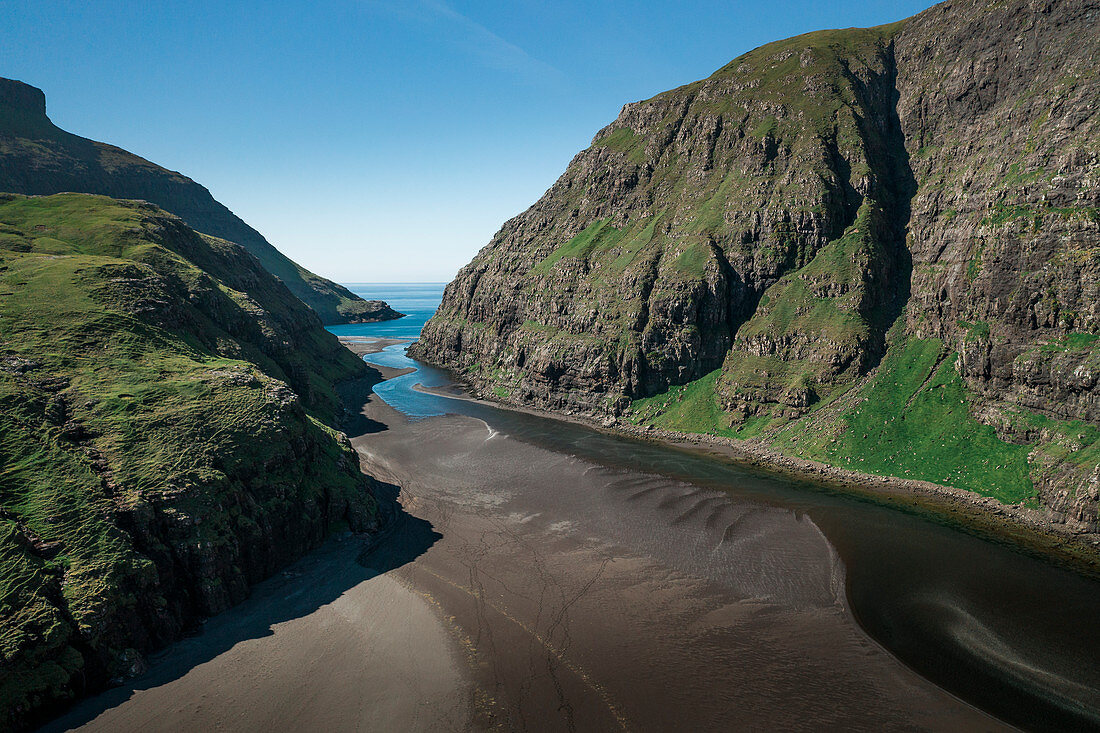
(38, 158)
(877, 248)
(165, 439)
(911, 418)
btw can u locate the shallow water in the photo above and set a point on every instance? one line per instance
(1006, 632)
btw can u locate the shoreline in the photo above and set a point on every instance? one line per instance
(1022, 529)
(437, 621)
(453, 595)
(363, 345)
(320, 616)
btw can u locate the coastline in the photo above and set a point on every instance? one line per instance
(320, 617)
(1023, 529)
(363, 345)
(438, 622)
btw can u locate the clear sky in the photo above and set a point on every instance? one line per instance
(373, 140)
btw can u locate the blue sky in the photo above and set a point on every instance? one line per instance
(373, 140)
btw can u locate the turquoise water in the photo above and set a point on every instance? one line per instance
(417, 301)
(399, 392)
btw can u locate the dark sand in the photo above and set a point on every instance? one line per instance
(329, 644)
(530, 590)
(363, 345)
(596, 599)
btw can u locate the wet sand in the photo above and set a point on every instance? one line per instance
(1029, 530)
(524, 589)
(597, 599)
(363, 345)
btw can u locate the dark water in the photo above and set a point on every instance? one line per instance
(1009, 633)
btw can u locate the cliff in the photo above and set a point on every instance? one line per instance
(166, 439)
(38, 158)
(875, 248)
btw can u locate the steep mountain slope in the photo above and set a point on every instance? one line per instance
(166, 439)
(38, 158)
(877, 248)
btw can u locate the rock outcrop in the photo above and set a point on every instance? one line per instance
(878, 248)
(38, 158)
(167, 439)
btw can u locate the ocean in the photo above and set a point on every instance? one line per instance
(417, 301)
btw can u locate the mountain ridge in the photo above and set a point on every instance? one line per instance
(872, 248)
(168, 438)
(39, 158)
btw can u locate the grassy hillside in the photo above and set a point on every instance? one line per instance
(911, 418)
(38, 158)
(165, 439)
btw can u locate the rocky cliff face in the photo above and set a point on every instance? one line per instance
(38, 158)
(877, 248)
(166, 439)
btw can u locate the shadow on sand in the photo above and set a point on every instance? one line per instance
(360, 392)
(316, 580)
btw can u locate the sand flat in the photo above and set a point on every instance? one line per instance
(522, 588)
(600, 599)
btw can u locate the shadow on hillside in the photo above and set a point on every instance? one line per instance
(897, 185)
(316, 580)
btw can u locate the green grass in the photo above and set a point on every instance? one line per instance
(794, 307)
(1003, 214)
(69, 223)
(694, 408)
(690, 408)
(765, 127)
(803, 300)
(911, 421)
(974, 265)
(1072, 441)
(157, 373)
(693, 260)
(1075, 341)
(914, 421)
(782, 68)
(626, 141)
(598, 234)
(631, 245)
(817, 304)
(976, 331)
